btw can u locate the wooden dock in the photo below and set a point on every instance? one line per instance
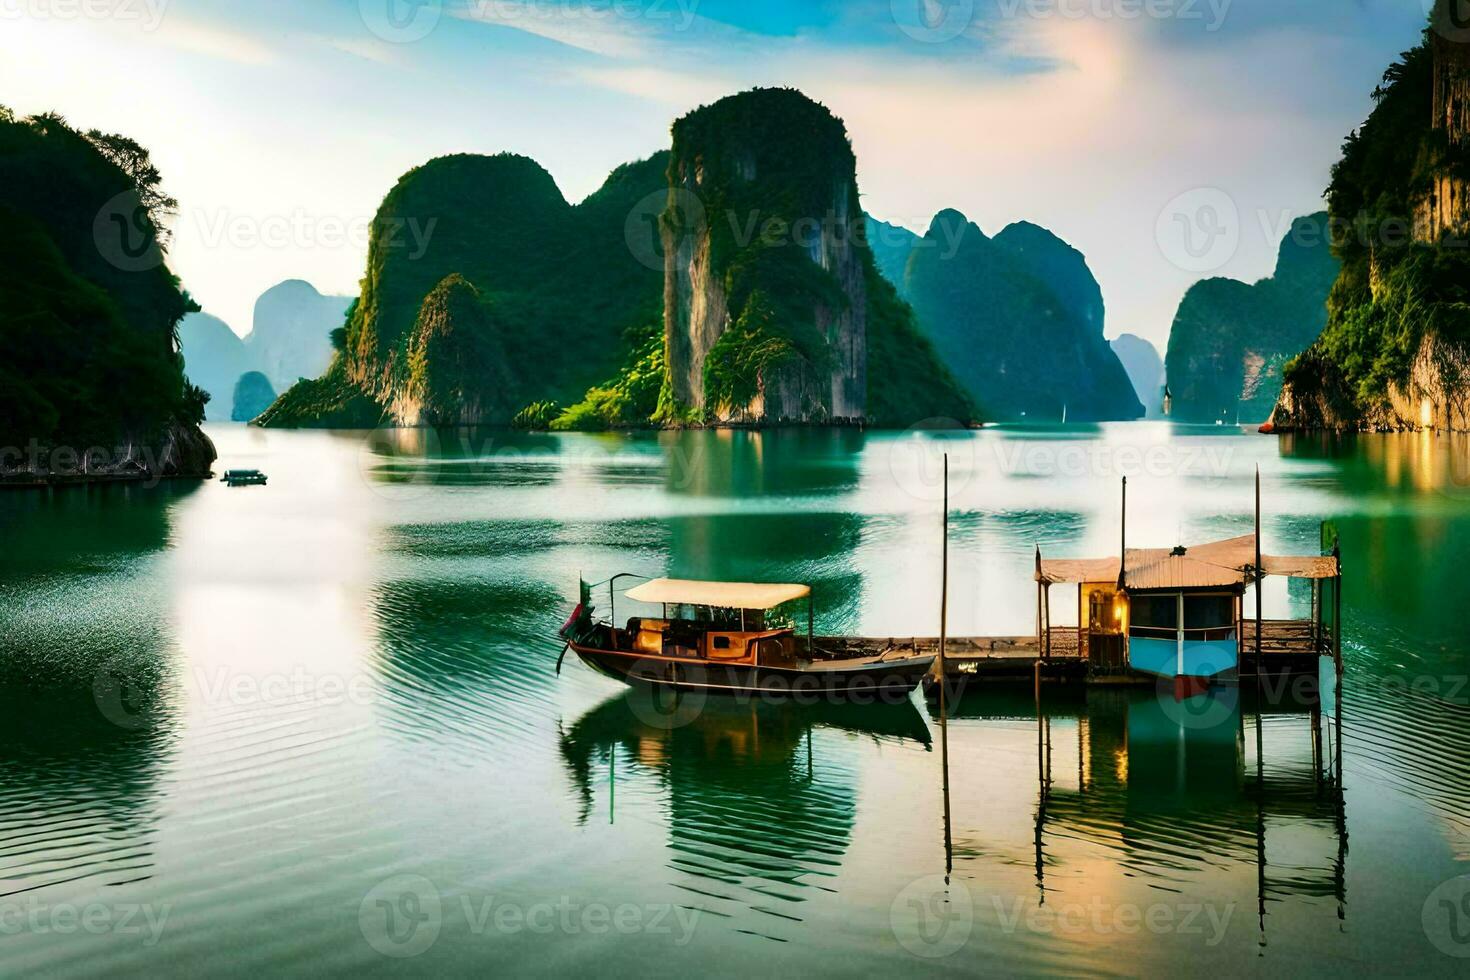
(1288, 647)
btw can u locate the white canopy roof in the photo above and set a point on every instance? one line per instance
(719, 595)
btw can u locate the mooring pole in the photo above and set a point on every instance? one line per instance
(943, 670)
(1259, 575)
(1337, 614)
(1123, 537)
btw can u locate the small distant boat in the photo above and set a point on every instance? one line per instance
(244, 478)
(718, 637)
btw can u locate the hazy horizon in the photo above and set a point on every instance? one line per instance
(280, 127)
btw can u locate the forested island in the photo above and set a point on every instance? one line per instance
(724, 281)
(92, 384)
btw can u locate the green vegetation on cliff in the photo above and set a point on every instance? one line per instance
(332, 401)
(764, 166)
(488, 298)
(775, 309)
(88, 310)
(480, 259)
(1397, 287)
(908, 381)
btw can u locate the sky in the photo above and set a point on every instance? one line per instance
(1168, 140)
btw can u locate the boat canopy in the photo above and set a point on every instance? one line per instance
(1213, 565)
(717, 595)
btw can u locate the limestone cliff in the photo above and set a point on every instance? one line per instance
(489, 299)
(1230, 340)
(214, 358)
(485, 292)
(1396, 350)
(457, 371)
(252, 395)
(289, 337)
(1145, 368)
(765, 296)
(1019, 317)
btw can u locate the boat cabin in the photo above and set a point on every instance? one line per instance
(725, 622)
(1178, 612)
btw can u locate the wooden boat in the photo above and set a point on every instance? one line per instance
(721, 637)
(243, 478)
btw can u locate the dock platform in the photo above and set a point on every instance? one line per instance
(1288, 647)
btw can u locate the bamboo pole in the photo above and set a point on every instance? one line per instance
(943, 675)
(1123, 538)
(1259, 575)
(1337, 616)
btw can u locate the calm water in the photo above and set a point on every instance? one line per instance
(317, 726)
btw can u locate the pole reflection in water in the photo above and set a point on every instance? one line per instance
(1165, 787)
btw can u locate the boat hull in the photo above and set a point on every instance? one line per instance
(890, 680)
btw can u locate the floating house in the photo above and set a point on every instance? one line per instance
(1179, 612)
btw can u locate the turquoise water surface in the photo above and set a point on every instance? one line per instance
(316, 727)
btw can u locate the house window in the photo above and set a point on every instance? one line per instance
(1206, 617)
(1154, 616)
(1209, 617)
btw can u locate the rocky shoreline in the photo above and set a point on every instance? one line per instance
(183, 453)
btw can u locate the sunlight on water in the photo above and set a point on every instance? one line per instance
(248, 715)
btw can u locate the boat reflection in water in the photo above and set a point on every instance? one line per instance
(757, 814)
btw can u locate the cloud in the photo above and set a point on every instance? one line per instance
(610, 30)
(213, 42)
(682, 90)
(368, 50)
